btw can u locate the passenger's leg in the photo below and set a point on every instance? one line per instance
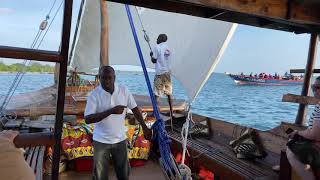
(299, 167)
(170, 105)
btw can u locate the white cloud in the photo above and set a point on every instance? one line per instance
(6, 11)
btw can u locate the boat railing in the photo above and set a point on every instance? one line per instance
(34, 139)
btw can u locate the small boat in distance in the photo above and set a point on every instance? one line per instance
(266, 80)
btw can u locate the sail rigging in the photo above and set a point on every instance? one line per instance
(5, 100)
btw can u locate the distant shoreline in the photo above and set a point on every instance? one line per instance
(10, 73)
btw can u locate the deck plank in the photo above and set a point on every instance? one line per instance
(39, 170)
(26, 152)
(151, 170)
(30, 155)
(35, 158)
(222, 153)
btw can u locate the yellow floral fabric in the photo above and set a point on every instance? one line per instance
(140, 147)
(76, 141)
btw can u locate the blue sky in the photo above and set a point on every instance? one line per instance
(250, 50)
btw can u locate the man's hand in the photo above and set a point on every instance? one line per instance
(118, 109)
(291, 135)
(153, 60)
(147, 133)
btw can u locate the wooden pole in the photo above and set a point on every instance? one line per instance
(56, 73)
(302, 111)
(104, 40)
(67, 15)
(307, 100)
(30, 54)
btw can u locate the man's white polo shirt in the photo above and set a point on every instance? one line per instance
(111, 129)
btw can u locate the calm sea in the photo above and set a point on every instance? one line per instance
(255, 106)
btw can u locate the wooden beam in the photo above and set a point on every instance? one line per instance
(307, 100)
(302, 111)
(34, 139)
(272, 14)
(174, 6)
(304, 12)
(66, 28)
(30, 54)
(47, 111)
(303, 71)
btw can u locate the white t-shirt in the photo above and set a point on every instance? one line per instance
(162, 53)
(111, 129)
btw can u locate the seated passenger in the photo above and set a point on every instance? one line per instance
(312, 133)
(13, 164)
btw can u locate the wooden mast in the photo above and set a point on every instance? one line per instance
(302, 112)
(64, 53)
(104, 40)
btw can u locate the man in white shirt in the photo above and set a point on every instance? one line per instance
(106, 107)
(161, 57)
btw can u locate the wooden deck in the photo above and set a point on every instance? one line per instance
(151, 170)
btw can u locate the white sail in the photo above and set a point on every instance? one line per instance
(197, 44)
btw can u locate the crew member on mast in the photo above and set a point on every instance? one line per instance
(161, 57)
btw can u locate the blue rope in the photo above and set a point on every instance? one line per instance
(154, 105)
(159, 127)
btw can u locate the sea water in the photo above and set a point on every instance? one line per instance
(254, 106)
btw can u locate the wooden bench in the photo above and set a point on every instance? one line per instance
(215, 152)
(222, 161)
(35, 157)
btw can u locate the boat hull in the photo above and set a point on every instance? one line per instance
(213, 152)
(245, 80)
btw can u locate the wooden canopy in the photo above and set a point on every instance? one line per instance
(299, 16)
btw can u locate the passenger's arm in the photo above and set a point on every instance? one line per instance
(312, 134)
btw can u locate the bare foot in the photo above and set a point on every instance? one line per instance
(307, 167)
(276, 168)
